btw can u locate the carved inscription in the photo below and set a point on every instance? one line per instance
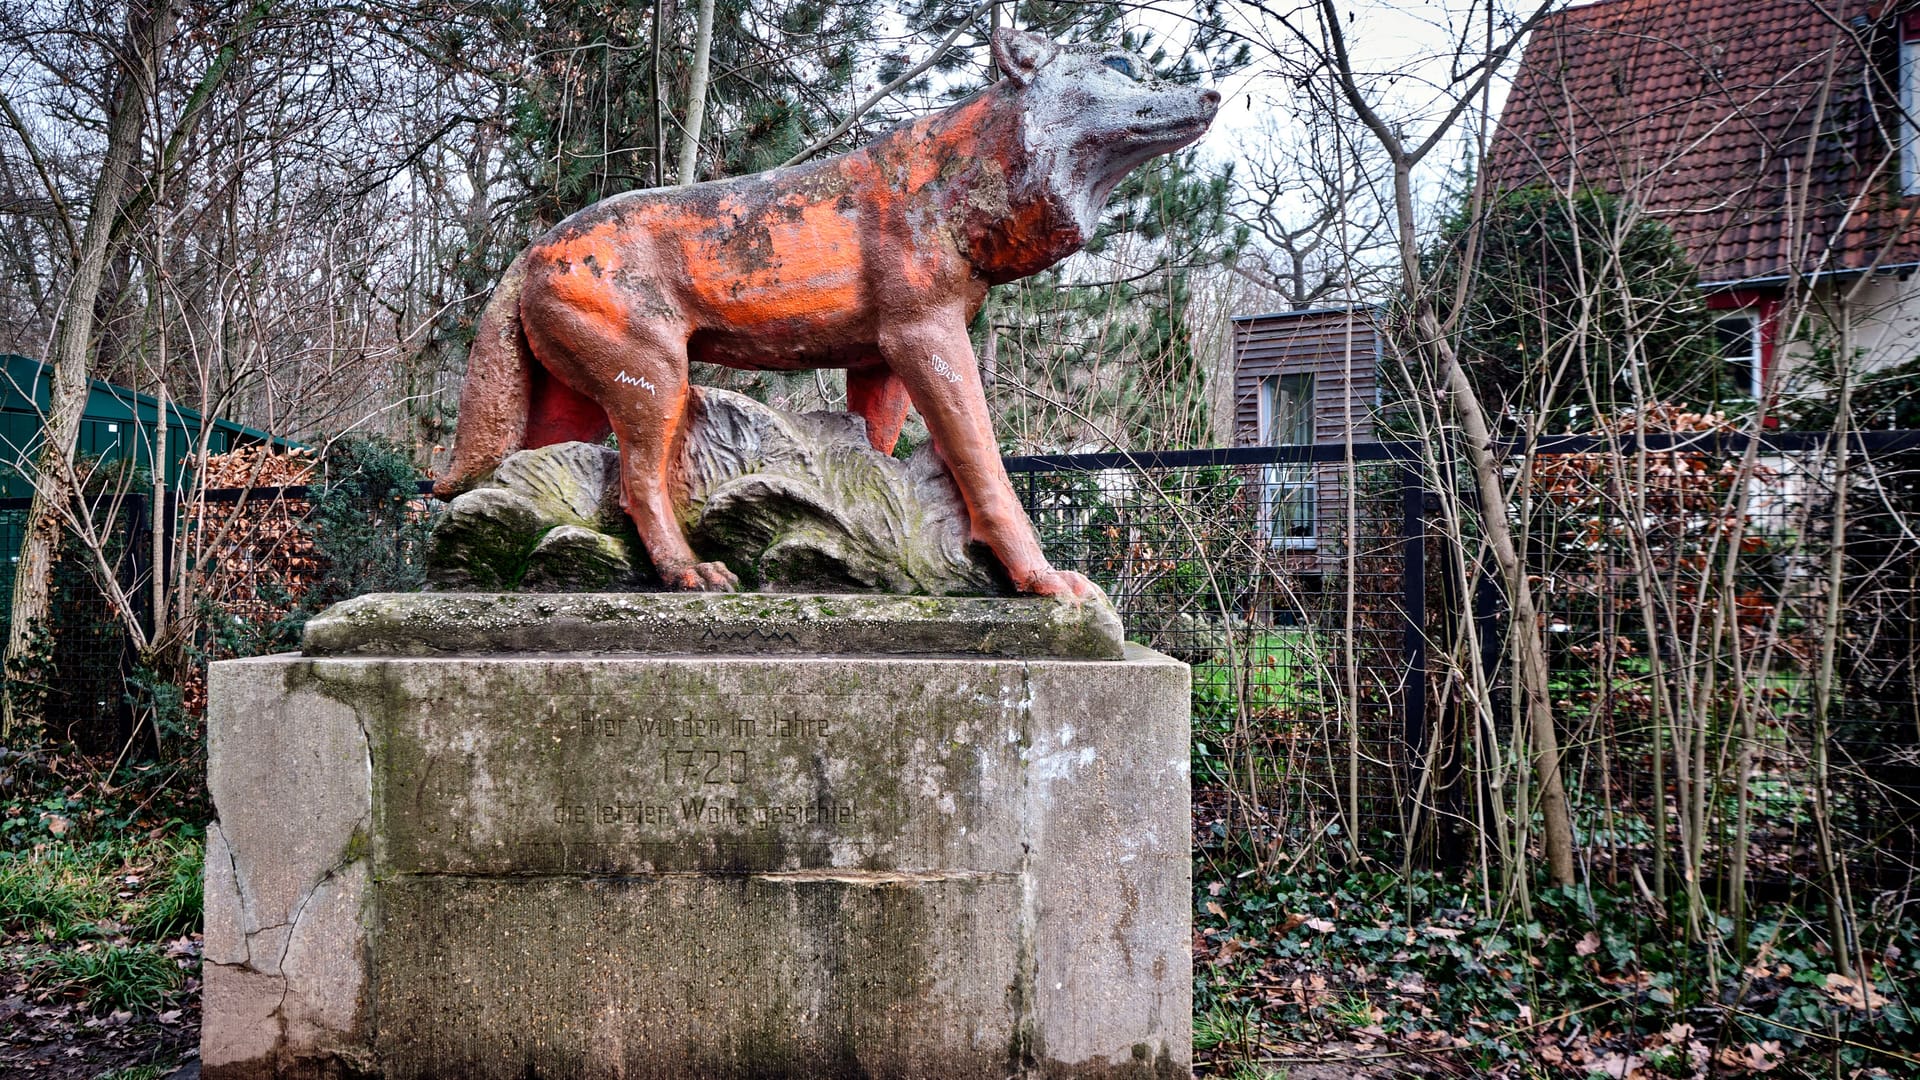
(701, 811)
(711, 772)
(703, 766)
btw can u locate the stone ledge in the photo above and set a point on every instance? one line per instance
(452, 624)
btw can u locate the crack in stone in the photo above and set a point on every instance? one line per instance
(363, 823)
(293, 925)
(801, 876)
(1025, 1053)
(239, 896)
(881, 877)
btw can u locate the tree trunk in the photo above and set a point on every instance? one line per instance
(1530, 674)
(696, 97)
(1532, 660)
(147, 28)
(1531, 669)
(1832, 865)
(659, 101)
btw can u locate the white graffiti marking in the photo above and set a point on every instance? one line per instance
(635, 380)
(944, 370)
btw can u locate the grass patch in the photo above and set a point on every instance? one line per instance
(175, 909)
(132, 977)
(1276, 678)
(96, 922)
(59, 895)
(150, 889)
(1281, 669)
(1222, 1028)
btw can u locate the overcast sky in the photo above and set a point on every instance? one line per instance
(1408, 46)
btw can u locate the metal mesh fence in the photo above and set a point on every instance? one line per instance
(1283, 577)
(1681, 591)
(84, 639)
(1685, 602)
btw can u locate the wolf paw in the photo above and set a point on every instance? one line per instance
(1062, 585)
(703, 577)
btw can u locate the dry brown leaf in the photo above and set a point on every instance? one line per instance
(1854, 993)
(1616, 1067)
(1765, 1056)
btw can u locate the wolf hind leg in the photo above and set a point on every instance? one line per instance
(877, 395)
(558, 413)
(634, 371)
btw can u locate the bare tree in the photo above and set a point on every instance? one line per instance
(1312, 196)
(148, 29)
(1314, 41)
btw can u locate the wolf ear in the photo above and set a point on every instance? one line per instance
(1021, 55)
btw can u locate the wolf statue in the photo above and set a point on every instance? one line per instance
(874, 261)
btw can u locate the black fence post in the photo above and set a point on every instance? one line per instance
(1413, 605)
(139, 541)
(135, 538)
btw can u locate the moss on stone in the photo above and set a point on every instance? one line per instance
(786, 502)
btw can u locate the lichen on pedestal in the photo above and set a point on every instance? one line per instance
(790, 502)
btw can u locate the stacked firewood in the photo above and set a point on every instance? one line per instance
(259, 467)
(255, 555)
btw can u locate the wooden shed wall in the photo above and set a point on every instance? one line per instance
(1340, 349)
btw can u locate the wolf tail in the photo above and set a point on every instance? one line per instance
(493, 401)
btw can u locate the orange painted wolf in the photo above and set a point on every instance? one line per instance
(873, 261)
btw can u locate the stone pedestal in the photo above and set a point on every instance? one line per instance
(726, 865)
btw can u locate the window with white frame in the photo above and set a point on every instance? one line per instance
(1289, 495)
(1737, 334)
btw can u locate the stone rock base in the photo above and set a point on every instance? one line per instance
(790, 502)
(715, 866)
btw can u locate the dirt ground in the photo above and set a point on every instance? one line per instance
(64, 1042)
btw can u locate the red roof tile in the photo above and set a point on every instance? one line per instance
(1705, 112)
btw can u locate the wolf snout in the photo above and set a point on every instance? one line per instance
(1210, 98)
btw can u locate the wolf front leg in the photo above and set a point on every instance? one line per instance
(933, 357)
(648, 425)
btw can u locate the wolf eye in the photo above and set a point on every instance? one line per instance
(1122, 65)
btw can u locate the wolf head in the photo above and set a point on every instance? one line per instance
(1093, 115)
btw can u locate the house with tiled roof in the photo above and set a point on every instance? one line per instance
(1776, 138)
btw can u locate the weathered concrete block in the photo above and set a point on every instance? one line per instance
(710, 866)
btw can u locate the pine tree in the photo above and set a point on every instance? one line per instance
(1576, 303)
